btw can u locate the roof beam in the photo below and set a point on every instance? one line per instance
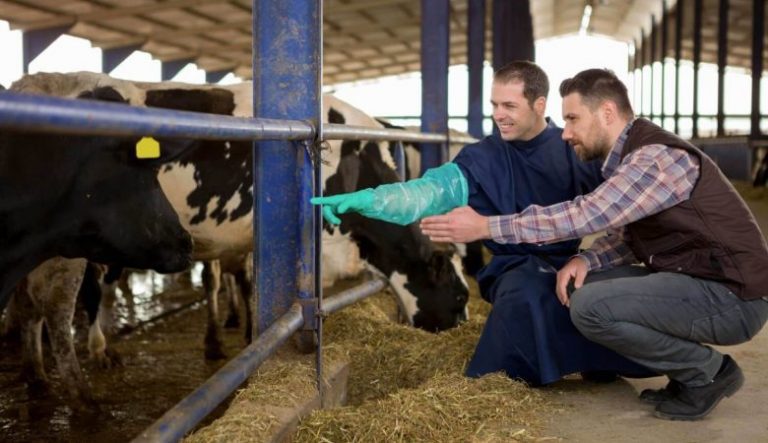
(359, 5)
(111, 13)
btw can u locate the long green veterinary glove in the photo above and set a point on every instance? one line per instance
(360, 201)
(438, 191)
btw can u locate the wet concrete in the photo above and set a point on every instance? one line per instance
(161, 364)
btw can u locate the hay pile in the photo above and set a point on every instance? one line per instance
(446, 408)
(254, 413)
(405, 384)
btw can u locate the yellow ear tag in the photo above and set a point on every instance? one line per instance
(147, 147)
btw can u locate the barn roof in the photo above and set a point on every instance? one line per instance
(362, 38)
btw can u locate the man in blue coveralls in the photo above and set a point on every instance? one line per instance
(528, 334)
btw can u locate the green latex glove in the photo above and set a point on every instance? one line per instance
(360, 201)
(438, 191)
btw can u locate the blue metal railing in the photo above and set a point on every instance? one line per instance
(54, 114)
(43, 113)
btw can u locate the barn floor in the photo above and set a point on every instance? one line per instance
(163, 362)
(612, 412)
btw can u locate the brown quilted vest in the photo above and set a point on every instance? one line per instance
(712, 235)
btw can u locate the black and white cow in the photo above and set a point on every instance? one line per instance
(211, 190)
(73, 196)
(77, 196)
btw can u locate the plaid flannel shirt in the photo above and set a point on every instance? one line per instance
(648, 181)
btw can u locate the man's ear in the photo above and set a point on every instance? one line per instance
(540, 105)
(608, 112)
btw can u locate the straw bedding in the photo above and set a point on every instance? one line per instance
(404, 385)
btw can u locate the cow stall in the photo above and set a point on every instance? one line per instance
(287, 154)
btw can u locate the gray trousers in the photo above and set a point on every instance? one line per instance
(664, 320)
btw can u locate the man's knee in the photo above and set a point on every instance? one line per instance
(585, 309)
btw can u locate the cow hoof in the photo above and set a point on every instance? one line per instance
(38, 387)
(214, 353)
(108, 359)
(86, 407)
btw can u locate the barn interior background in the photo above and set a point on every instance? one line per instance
(365, 40)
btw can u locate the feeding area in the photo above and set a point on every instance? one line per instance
(404, 384)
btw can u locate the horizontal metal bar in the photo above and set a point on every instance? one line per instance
(698, 115)
(462, 139)
(418, 117)
(346, 132)
(62, 115)
(346, 298)
(183, 417)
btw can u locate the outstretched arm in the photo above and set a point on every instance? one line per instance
(438, 191)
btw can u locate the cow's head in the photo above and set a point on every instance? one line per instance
(428, 281)
(86, 196)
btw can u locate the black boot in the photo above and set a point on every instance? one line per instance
(696, 403)
(657, 396)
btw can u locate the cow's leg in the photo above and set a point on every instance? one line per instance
(57, 289)
(122, 284)
(93, 293)
(183, 280)
(99, 351)
(212, 283)
(245, 285)
(31, 327)
(10, 328)
(230, 289)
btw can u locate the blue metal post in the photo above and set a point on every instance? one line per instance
(286, 62)
(112, 57)
(512, 32)
(399, 157)
(36, 41)
(475, 59)
(758, 31)
(434, 78)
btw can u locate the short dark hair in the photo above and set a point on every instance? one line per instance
(596, 86)
(535, 81)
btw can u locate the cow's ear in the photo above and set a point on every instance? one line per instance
(170, 150)
(346, 177)
(440, 268)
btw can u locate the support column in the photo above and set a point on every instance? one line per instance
(758, 32)
(475, 59)
(286, 85)
(434, 78)
(697, 14)
(678, 53)
(643, 64)
(170, 68)
(722, 60)
(664, 44)
(34, 42)
(216, 76)
(654, 39)
(512, 32)
(112, 57)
